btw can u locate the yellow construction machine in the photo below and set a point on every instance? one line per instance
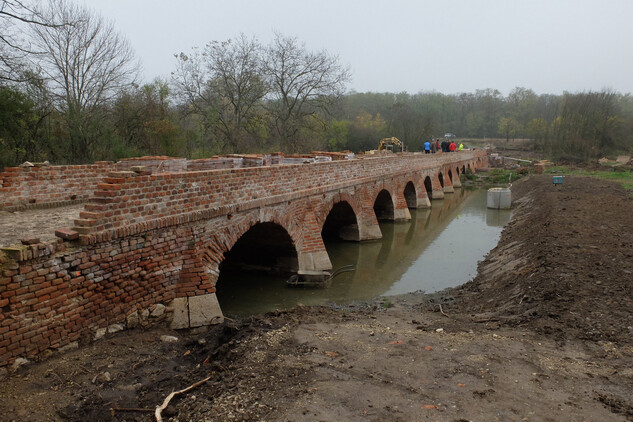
(388, 143)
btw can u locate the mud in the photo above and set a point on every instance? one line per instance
(543, 333)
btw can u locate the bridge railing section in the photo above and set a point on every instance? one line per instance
(124, 198)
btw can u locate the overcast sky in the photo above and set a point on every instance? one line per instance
(447, 46)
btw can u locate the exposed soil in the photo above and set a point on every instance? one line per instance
(543, 333)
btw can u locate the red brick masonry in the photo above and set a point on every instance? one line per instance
(148, 239)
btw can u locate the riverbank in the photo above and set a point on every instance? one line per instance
(544, 332)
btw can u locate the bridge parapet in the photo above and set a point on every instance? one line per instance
(127, 199)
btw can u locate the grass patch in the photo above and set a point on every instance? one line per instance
(623, 175)
(502, 176)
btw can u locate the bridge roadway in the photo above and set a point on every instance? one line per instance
(151, 239)
(36, 223)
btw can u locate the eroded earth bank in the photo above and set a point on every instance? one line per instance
(543, 333)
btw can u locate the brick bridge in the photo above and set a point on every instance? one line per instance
(145, 238)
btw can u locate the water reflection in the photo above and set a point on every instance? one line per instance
(438, 248)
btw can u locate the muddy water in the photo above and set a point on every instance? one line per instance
(438, 248)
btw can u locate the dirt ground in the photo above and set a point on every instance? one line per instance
(36, 223)
(543, 333)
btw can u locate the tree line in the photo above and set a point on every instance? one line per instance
(70, 93)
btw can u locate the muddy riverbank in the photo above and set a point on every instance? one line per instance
(543, 333)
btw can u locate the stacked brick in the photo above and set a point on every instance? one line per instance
(214, 163)
(155, 164)
(49, 186)
(342, 155)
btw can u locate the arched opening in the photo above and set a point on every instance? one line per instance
(383, 206)
(340, 224)
(255, 270)
(450, 175)
(441, 177)
(428, 185)
(410, 195)
(265, 247)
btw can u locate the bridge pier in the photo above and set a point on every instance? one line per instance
(368, 228)
(195, 311)
(196, 304)
(448, 183)
(438, 189)
(401, 210)
(457, 183)
(313, 256)
(423, 200)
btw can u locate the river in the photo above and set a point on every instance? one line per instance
(438, 248)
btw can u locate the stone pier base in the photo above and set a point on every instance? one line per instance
(315, 261)
(196, 311)
(423, 202)
(401, 214)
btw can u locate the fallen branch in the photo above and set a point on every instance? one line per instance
(442, 311)
(162, 407)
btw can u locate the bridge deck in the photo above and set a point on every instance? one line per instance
(36, 223)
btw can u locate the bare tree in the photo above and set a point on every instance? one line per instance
(223, 84)
(303, 84)
(86, 64)
(15, 17)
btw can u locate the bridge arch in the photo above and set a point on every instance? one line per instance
(410, 195)
(440, 176)
(383, 206)
(341, 223)
(428, 186)
(267, 230)
(265, 247)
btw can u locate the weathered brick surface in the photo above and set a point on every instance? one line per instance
(151, 239)
(64, 295)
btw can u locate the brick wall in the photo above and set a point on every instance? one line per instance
(59, 295)
(29, 187)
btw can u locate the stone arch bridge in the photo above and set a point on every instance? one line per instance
(163, 238)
